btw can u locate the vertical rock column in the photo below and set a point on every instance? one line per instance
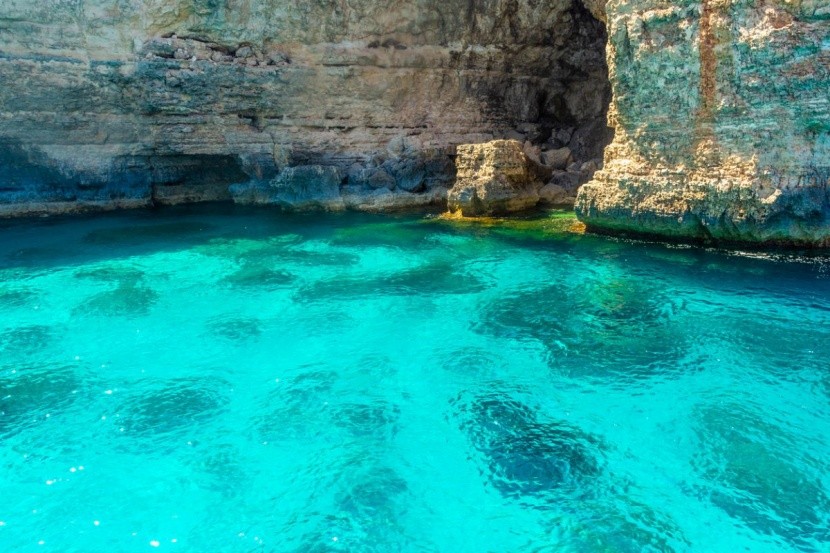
(722, 122)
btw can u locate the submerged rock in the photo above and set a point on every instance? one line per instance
(753, 474)
(30, 393)
(492, 179)
(524, 456)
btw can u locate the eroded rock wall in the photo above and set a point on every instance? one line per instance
(131, 102)
(722, 118)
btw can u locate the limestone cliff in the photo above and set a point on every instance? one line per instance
(722, 118)
(113, 103)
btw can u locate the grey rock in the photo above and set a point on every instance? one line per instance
(409, 173)
(589, 167)
(557, 159)
(589, 141)
(570, 181)
(245, 52)
(554, 194)
(563, 136)
(515, 135)
(532, 152)
(377, 178)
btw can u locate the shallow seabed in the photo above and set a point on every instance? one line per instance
(216, 379)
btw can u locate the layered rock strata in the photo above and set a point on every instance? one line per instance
(111, 103)
(722, 120)
(492, 179)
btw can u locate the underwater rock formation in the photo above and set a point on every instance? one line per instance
(119, 104)
(722, 122)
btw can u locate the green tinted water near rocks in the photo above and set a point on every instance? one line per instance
(217, 379)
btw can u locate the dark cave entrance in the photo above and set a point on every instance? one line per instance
(560, 109)
(575, 109)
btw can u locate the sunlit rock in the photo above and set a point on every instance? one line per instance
(722, 123)
(492, 179)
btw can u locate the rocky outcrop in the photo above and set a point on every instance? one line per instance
(722, 122)
(493, 179)
(119, 104)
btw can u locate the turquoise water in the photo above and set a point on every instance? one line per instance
(215, 379)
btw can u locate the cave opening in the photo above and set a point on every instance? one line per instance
(575, 106)
(560, 107)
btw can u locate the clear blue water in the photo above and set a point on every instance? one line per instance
(216, 379)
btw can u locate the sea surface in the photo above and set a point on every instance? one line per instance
(217, 379)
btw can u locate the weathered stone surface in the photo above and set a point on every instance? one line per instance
(493, 179)
(553, 194)
(300, 188)
(97, 95)
(722, 122)
(557, 159)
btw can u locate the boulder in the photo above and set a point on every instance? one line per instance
(532, 152)
(590, 167)
(568, 180)
(554, 194)
(493, 178)
(557, 159)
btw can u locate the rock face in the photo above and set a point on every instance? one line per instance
(118, 103)
(493, 179)
(722, 122)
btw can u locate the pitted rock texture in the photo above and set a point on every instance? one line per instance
(722, 121)
(493, 179)
(118, 103)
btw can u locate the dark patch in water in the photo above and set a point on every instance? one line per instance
(125, 300)
(297, 407)
(238, 329)
(376, 419)
(430, 279)
(221, 468)
(256, 276)
(16, 297)
(370, 501)
(142, 234)
(275, 251)
(788, 346)
(525, 457)
(28, 393)
(620, 525)
(618, 328)
(25, 339)
(130, 297)
(373, 492)
(751, 477)
(476, 362)
(316, 259)
(118, 274)
(178, 406)
(375, 497)
(396, 234)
